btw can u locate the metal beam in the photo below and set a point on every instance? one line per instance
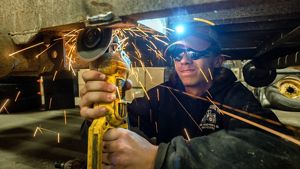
(290, 37)
(25, 18)
(265, 11)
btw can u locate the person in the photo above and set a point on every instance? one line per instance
(189, 130)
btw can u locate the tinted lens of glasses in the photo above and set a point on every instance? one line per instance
(192, 54)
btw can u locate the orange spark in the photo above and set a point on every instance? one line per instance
(54, 76)
(153, 44)
(122, 41)
(160, 55)
(130, 33)
(150, 48)
(252, 115)
(169, 29)
(142, 31)
(50, 102)
(74, 30)
(36, 130)
(148, 74)
(44, 68)
(209, 93)
(69, 55)
(137, 50)
(17, 96)
(205, 21)
(3, 106)
(122, 32)
(156, 127)
(161, 36)
(211, 77)
(144, 90)
(40, 129)
(38, 55)
(73, 70)
(133, 95)
(284, 136)
(74, 40)
(32, 46)
(56, 39)
(145, 29)
(157, 94)
(142, 64)
(156, 38)
(65, 117)
(135, 34)
(187, 134)
(203, 73)
(71, 35)
(150, 62)
(71, 40)
(125, 45)
(79, 30)
(182, 106)
(6, 110)
(134, 73)
(228, 107)
(58, 138)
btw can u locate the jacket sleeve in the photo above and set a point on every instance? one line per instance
(234, 149)
(140, 115)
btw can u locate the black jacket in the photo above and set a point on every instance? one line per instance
(169, 110)
(229, 149)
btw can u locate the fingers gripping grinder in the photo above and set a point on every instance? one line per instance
(93, 45)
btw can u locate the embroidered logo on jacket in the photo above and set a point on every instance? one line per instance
(209, 121)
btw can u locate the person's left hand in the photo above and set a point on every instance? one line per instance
(125, 149)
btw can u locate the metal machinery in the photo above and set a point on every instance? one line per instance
(265, 31)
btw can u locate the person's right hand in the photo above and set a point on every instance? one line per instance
(95, 90)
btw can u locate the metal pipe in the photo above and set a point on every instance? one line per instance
(292, 59)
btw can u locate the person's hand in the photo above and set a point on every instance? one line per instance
(95, 90)
(125, 149)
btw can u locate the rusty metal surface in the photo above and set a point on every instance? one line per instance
(24, 63)
(22, 21)
(25, 18)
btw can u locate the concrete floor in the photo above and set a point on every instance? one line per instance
(20, 150)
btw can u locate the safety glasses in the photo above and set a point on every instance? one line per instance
(178, 53)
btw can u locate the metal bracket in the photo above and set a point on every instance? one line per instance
(100, 18)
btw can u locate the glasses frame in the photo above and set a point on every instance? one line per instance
(178, 53)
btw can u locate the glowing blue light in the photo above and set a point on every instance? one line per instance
(179, 29)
